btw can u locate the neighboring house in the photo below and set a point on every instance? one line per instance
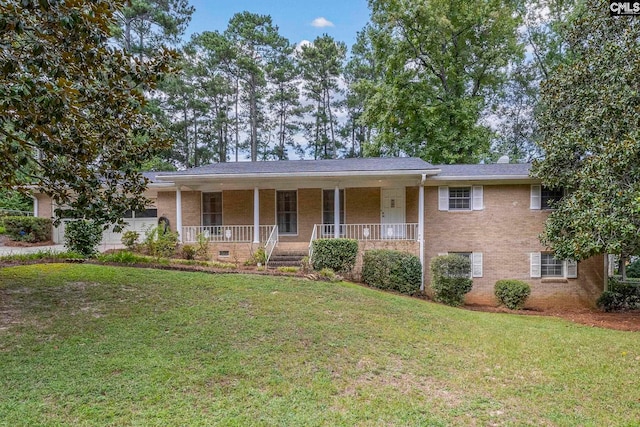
(490, 213)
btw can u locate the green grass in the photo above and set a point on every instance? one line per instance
(98, 345)
(47, 254)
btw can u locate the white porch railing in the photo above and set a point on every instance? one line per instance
(403, 231)
(226, 233)
(314, 236)
(271, 243)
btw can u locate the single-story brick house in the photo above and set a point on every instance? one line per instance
(492, 213)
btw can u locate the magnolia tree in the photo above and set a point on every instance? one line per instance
(71, 107)
(590, 124)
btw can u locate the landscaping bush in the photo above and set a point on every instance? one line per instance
(392, 270)
(130, 239)
(633, 269)
(161, 243)
(189, 252)
(28, 228)
(203, 246)
(512, 293)
(450, 278)
(259, 257)
(337, 254)
(620, 296)
(83, 236)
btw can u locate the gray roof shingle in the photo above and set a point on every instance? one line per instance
(480, 171)
(306, 166)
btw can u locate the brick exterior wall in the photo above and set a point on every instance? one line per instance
(362, 205)
(505, 231)
(191, 207)
(45, 206)
(237, 207)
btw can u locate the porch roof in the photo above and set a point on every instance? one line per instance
(359, 169)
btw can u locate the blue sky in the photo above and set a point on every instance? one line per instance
(294, 18)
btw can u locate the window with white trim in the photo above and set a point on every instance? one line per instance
(550, 266)
(287, 212)
(460, 198)
(544, 198)
(546, 265)
(212, 209)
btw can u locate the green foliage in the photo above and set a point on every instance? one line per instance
(633, 269)
(259, 257)
(336, 254)
(130, 239)
(392, 270)
(27, 228)
(286, 269)
(440, 63)
(202, 249)
(189, 251)
(512, 293)
(620, 296)
(305, 265)
(42, 255)
(329, 275)
(450, 278)
(123, 257)
(160, 243)
(87, 122)
(83, 236)
(321, 66)
(590, 130)
(15, 201)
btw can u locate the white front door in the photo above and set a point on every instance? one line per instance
(392, 212)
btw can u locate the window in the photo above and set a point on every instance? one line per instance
(475, 259)
(211, 209)
(147, 213)
(466, 255)
(550, 196)
(459, 198)
(328, 211)
(550, 266)
(544, 198)
(544, 264)
(287, 212)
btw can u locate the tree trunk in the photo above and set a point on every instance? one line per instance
(622, 267)
(253, 120)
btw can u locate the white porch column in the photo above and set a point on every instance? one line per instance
(336, 212)
(35, 206)
(256, 215)
(421, 230)
(179, 213)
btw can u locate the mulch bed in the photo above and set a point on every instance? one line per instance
(623, 321)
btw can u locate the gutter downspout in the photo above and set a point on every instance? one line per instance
(35, 205)
(421, 225)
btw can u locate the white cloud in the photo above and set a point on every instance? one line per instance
(321, 22)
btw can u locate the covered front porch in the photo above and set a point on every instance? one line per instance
(287, 205)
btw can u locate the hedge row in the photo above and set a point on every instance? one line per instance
(620, 296)
(28, 228)
(392, 270)
(337, 254)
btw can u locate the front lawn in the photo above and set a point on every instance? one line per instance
(98, 345)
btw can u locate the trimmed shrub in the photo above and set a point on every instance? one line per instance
(450, 278)
(621, 296)
(257, 257)
(512, 293)
(83, 236)
(130, 239)
(28, 228)
(337, 254)
(392, 270)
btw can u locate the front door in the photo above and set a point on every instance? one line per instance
(392, 213)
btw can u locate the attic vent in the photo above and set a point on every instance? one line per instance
(503, 159)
